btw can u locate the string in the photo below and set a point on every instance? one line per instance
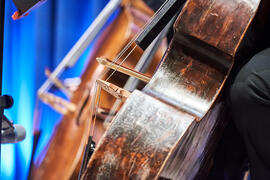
(137, 35)
(92, 107)
(98, 91)
(121, 63)
(123, 51)
(97, 95)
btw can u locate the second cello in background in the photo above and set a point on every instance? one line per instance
(62, 154)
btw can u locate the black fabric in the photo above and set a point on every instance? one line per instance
(230, 159)
(250, 106)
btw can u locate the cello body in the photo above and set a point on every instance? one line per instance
(171, 127)
(64, 151)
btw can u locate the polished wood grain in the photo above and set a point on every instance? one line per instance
(138, 140)
(164, 130)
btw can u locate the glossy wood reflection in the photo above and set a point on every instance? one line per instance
(156, 133)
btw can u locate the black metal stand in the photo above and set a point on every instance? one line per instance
(2, 21)
(5, 101)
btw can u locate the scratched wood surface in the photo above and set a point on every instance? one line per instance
(143, 143)
(136, 136)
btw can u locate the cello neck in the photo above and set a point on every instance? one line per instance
(163, 16)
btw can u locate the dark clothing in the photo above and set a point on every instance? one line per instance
(250, 106)
(230, 159)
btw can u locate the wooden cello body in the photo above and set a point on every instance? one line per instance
(170, 128)
(64, 151)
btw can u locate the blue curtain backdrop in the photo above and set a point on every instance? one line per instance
(31, 44)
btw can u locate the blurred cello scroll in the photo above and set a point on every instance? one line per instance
(171, 127)
(60, 159)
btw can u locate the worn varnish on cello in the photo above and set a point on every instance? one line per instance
(156, 133)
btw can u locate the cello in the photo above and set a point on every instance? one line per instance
(170, 128)
(62, 154)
